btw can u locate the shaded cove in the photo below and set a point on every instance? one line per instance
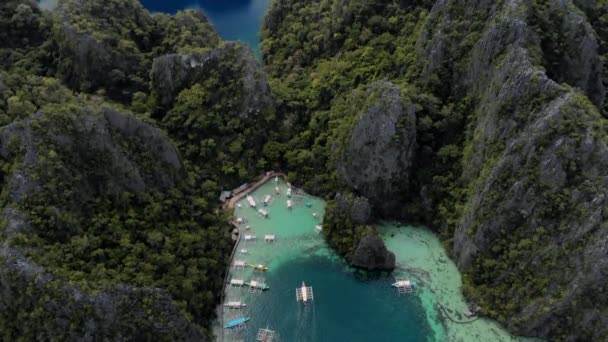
(238, 20)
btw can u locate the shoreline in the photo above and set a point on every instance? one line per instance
(252, 187)
(229, 204)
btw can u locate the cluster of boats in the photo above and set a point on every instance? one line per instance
(304, 293)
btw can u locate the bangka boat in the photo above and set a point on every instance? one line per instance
(236, 322)
(259, 267)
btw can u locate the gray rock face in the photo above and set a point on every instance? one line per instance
(173, 73)
(102, 151)
(109, 313)
(378, 156)
(537, 172)
(109, 136)
(356, 208)
(371, 254)
(113, 55)
(578, 62)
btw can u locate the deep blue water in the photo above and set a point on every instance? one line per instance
(345, 308)
(233, 19)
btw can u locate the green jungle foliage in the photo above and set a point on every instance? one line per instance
(108, 212)
(108, 218)
(318, 52)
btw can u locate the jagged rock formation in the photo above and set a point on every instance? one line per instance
(535, 168)
(94, 153)
(106, 230)
(115, 53)
(510, 157)
(371, 254)
(106, 138)
(377, 158)
(112, 313)
(173, 73)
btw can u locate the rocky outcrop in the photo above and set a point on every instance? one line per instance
(570, 48)
(532, 235)
(173, 73)
(378, 155)
(113, 57)
(107, 137)
(371, 254)
(88, 154)
(25, 285)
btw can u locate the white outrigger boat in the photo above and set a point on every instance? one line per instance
(304, 294)
(403, 286)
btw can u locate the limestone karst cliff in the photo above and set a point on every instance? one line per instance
(485, 120)
(510, 139)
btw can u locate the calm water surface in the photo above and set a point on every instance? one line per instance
(347, 307)
(233, 19)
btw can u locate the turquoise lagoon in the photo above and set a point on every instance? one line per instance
(348, 305)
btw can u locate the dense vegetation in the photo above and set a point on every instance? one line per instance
(315, 67)
(474, 96)
(119, 129)
(102, 207)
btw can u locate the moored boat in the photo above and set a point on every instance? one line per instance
(236, 322)
(259, 267)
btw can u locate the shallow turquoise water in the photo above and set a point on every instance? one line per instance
(347, 306)
(238, 20)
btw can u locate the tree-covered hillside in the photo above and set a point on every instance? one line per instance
(119, 129)
(505, 157)
(485, 120)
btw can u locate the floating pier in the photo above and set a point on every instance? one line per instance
(251, 201)
(238, 265)
(403, 286)
(269, 238)
(318, 228)
(267, 199)
(289, 204)
(251, 238)
(304, 294)
(263, 212)
(235, 305)
(237, 282)
(266, 335)
(257, 285)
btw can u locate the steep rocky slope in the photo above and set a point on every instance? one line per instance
(510, 139)
(482, 119)
(376, 154)
(64, 170)
(532, 235)
(110, 224)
